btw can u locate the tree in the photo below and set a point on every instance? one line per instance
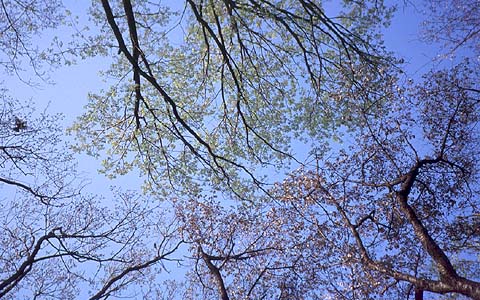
(392, 216)
(57, 241)
(55, 238)
(20, 22)
(456, 25)
(382, 205)
(399, 197)
(232, 116)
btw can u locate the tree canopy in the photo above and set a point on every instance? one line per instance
(285, 153)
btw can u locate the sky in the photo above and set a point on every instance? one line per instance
(66, 94)
(71, 84)
(69, 93)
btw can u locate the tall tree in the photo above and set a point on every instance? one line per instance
(248, 80)
(403, 199)
(56, 239)
(393, 215)
(223, 88)
(58, 242)
(210, 101)
(20, 22)
(455, 24)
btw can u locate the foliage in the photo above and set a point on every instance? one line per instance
(284, 153)
(51, 230)
(254, 71)
(20, 22)
(455, 24)
(392, 215)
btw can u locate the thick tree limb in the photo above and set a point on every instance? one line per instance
(215, 273)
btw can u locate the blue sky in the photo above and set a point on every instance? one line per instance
(71, 85)
(69, 92)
